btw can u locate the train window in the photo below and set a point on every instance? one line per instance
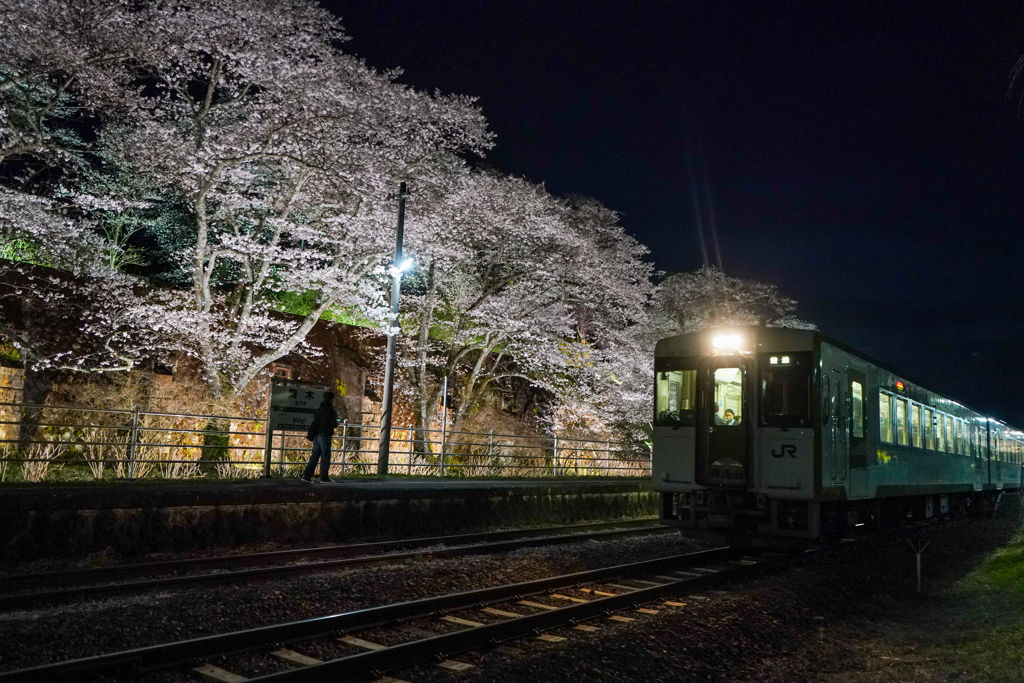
(972, 438)
(915, 425)
(885, 417)
(940, 431)
(856, 409)
(786, 391)
(950, 443)
(901, 422)
(961, 447)
(929, 429)
(826, 403)
(728, 407)
(676, 398)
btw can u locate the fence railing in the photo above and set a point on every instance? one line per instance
(63, 442)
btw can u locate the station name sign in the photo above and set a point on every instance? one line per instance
(292, 404)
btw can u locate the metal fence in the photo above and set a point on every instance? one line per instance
(61, 442)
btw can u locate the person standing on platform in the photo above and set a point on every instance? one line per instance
(321, 431)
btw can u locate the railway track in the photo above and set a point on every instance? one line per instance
(33, 590)
(428, 629)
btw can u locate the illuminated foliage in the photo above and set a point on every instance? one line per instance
(690, 302)
(196, 168)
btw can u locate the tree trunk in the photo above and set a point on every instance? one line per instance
(36, 389)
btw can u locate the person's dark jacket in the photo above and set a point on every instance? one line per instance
(324, 420)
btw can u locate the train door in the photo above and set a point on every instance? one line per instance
(840, 457)
(857, 433)
(978, 443)
(723, 434)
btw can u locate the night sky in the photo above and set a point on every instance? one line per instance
(862, 156)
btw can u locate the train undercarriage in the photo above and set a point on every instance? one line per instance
(742, 518)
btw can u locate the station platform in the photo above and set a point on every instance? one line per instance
(133, 519)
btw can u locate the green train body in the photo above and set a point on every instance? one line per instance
(783, 433)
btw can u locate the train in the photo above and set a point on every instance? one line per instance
(777, 435)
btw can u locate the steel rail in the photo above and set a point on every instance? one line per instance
(100, 574)
(359, 666)
(142, 660)
(35, 599)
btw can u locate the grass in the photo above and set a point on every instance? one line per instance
(972, 630)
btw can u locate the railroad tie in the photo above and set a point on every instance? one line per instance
(293, 657)
(454, 666)
(649, 583)
(743, 562)
(686, 575)
(359, 642)
(672, 603)
(625, 620)
(586, 628)
(548, 638)
(597, 592)
(500, 612)
(215, 673)
(538, 605)
(416, 631)
(628, 589)
(460, 621)
(645, 610)
(567, 597)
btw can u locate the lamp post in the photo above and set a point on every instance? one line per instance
(384, 447)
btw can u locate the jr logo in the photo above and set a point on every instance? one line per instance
(784, 450)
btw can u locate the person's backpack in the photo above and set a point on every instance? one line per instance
(311, 433)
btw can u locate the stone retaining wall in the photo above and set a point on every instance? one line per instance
(48, 525)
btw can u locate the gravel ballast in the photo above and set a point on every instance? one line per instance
(799, 625)
(81, 629)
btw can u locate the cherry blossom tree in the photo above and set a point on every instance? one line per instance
(257, 160)
(280, 149)
(285, 151)
(709, 298)
(526, 287)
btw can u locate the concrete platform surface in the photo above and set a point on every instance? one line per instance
(160, 493)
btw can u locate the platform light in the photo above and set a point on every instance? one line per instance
(729, 341)
(785, 360)
(404, 266)
(774, 360)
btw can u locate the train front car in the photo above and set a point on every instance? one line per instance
(776, 434)
(736, 450)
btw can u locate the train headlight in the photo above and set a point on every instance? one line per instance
(727, 342)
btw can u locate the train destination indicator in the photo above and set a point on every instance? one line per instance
(292, 404)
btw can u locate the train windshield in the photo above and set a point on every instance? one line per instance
(727, 410)
(786, 389)
(676, 398)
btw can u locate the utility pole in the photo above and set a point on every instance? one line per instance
(384, 448)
